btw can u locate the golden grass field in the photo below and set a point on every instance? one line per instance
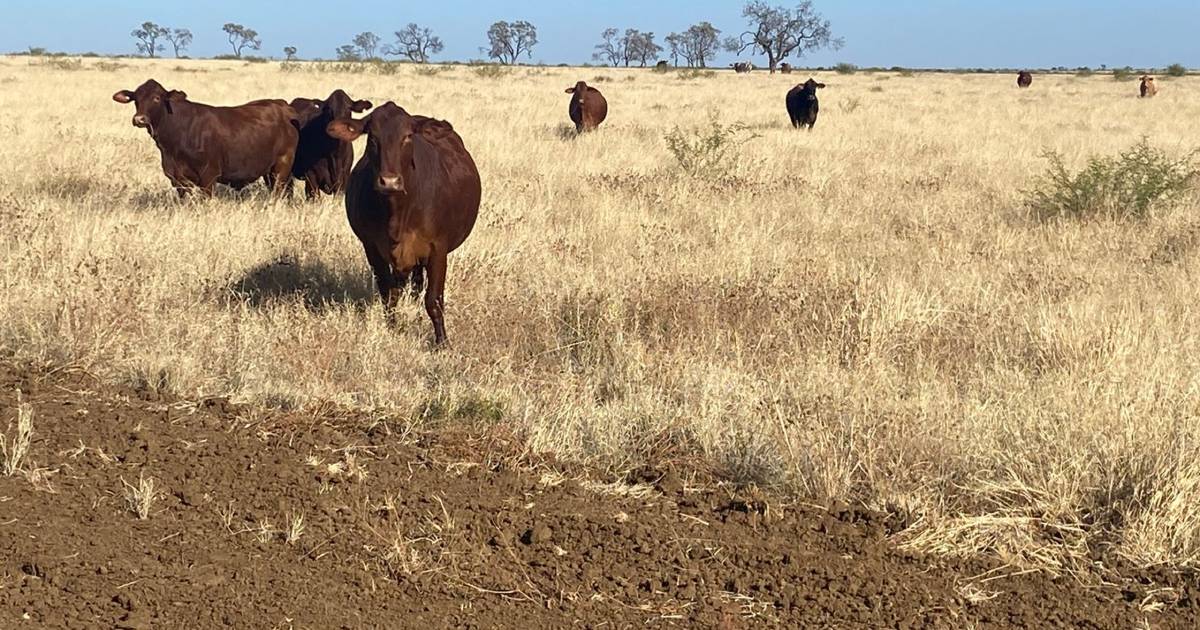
(865, 313)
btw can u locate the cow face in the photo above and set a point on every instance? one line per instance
(390, 145)
(153, 102)
(307, 110)
(580, 91)
(810, 88)
(340, 105)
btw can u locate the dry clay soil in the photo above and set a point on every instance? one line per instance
(456, 528)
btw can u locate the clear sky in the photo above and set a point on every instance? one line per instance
(912, 33)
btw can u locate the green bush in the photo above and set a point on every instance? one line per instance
(1123, 74)
(706, 149)
(1129, 185)
(1084, 72)
(845, 68)
(1176, 70)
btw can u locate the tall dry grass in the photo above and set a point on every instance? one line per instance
(866, 312)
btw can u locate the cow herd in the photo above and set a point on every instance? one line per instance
(411, 199)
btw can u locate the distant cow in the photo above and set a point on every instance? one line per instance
(1148, 89)
(588, 107)
(1024, 79)
(742, 67)
(412, 199)
(322, 161)
(663, 65)
(785, 68)
(203, 145)
(802, 104)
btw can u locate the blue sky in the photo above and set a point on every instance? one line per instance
(914, 33)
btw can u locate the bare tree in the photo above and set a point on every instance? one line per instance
(290, 51)
(348, 53)
(674, 47)
(180, 39)
(697, 45)
(779, 32)
(641, 47)
(611, 47)
(509, 41)
(241, 38)
(367, 43)
(148, 35)
(415, 43)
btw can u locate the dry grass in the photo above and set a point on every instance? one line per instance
(14, 444)
(865, 312)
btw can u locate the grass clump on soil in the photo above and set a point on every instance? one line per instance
(14, 449)
(141, 498)
(1129, 185)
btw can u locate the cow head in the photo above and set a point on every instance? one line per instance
(391, 145)
(338, 105)
(153, 102)
(580, 91)
(307, 110)
(810, 87)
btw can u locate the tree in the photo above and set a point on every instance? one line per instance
(348, 53)
(640, 47)
(509, 41)
(697, 45)
(241, 37)
(290, 51)
(778, 32)
(415, 43)
(180, 39)
(148, 35)
(675, 46)
(366, 44)
(611, 47)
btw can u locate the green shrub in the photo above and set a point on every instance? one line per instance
(706, 149)
(845, 68)
(1123, 74)
(1084, 72)
(491, 71)
(1177, 70)
(1129, 185)
(696, 73)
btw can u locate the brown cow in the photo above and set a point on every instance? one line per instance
(324, 162)
(203, 145)
(1024, 79)
(785, 68)
(412, 199)
(1147, 89)
(588, 107)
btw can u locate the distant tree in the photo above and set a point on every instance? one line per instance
(509, 41)
(366, 44)
(148, 35)
(697, 45)
(640, 47)
(241, 38)
(180, 39)
(290, 51)
(415, 43)
(779, 32)
(348, 52)
(1177, 70)
(611, 48)
(674, 47)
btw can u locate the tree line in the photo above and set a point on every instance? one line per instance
(776, 32)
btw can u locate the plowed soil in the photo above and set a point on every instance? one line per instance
(267, 519)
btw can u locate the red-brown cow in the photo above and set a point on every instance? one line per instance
(1024, 79)
(322, 161)
(412, 199)
(588, 107)
(1147, 89)
(203, 145)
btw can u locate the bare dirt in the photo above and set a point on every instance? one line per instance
(457, 528)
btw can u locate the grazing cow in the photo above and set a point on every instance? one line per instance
(785, 68)
(324, 162)
(1024, 79)
(742, 67)
(663, 65)
(412, 199)
(802, 104)
(588, 107)
(203, 145)
(1147, 89)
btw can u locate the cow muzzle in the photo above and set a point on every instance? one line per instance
(390, 185)
(141, 120)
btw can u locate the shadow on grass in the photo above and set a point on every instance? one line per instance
(312, 283)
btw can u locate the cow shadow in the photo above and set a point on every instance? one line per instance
(310, 282)
(565, 132)
(152, 199)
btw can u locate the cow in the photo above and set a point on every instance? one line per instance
(412, 199)
(662, 65)
(742, 67)
(323, 162)
(785, 68)
(1147, 89)
(588, 107)
(1024, 79)
(802, 104)
(203, 145)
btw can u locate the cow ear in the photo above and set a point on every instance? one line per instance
(124, 96)
(176, 95)
(346, 129)
(361, 106)
(820, 85)
(570, 90)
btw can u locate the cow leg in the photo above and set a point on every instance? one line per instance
(417, 280)
(281, 175)
(434, 305)
(384, 282)
(310, 188)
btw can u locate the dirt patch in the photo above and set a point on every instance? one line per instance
(271, 520)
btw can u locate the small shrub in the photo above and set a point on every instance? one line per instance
(14, 448)
(706, 149)
(1084, 72)
(696, 73)
(108, 66)
(490, 71)
(425, 70)
(1129, 185)
(849, 105)
(908, 74)
(845, 68)
(59, 63)
(876, 88)
(1176, 70)
(1123, 74)
(289, 66)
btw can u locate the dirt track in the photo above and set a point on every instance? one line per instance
(454, 529)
